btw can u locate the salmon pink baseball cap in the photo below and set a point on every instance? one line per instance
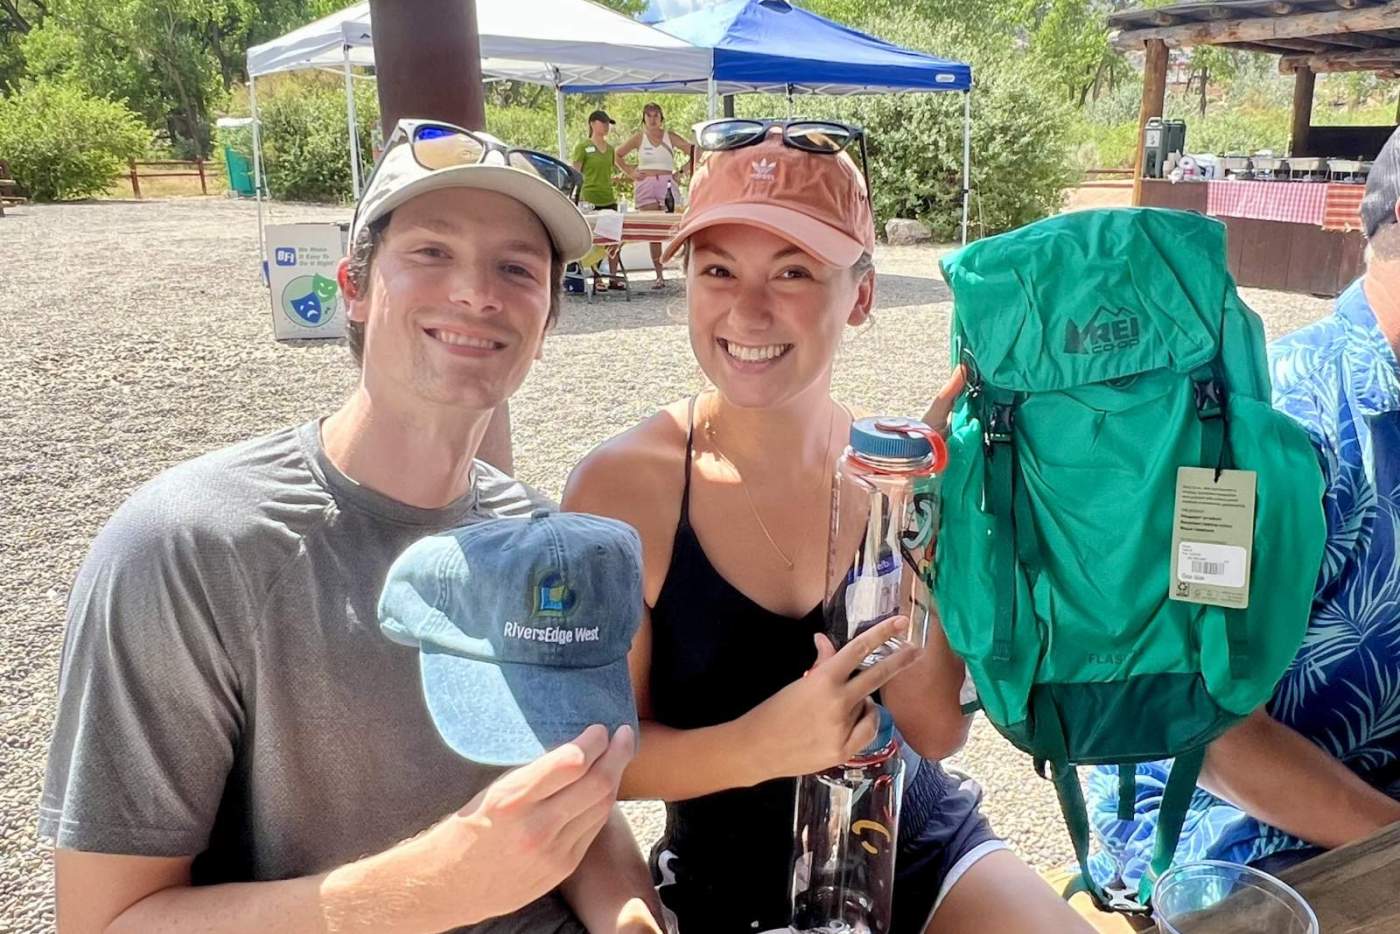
(818, 201)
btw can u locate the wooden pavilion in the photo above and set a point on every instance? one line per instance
(1310, 37)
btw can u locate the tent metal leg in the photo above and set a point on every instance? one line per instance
(711, 98)
(350, 124)
(560, 118)
(967, 158)
(257, 177)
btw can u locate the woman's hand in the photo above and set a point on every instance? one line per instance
(825, 717)
(937, 415)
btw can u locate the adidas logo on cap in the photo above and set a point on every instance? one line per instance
(763, 170)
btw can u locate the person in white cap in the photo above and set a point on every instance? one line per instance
(237, 746)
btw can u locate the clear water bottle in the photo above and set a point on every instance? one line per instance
(847, 828)
(884, 516)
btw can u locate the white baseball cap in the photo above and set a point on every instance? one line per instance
(400, 177)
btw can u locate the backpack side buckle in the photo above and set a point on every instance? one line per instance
(1210, 397)
(1001, 419)
(1120, 900)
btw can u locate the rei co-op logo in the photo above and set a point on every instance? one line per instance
(1105, 330)
(763, 170)
(552, 596)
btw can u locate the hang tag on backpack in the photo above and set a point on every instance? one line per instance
(1212, 536)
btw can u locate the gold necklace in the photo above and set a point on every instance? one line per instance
(709, 428)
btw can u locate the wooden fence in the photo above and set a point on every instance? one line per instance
(1107, 178)
(197, 165)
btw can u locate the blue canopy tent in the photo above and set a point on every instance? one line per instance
(773, 47)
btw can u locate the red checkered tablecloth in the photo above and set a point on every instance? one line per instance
(642, 226)
(1343, 211)
(1289, 202)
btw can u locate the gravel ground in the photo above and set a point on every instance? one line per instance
(134, 336)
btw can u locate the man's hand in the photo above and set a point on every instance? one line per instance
(515, 841)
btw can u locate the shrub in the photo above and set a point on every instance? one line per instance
(529, 127)
(306, 152)
(62, 143)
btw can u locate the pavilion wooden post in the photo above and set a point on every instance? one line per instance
(432, 72)
(1304, 79)
(1154, 95)
(436, 73)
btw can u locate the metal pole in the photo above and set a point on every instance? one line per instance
(967, 157)
(257, 176)
(560, 119)
(351, 125)
(711, 97)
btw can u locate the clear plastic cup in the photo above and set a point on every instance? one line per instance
(1211, 896)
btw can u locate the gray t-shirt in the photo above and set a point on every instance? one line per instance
(225, 690)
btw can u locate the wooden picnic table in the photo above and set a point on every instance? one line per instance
(1354, 889)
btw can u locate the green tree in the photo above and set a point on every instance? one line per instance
(1210, 63)
(61, 143)
(18, 18)
(172, 61)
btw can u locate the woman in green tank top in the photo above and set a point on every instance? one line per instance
(597, 159)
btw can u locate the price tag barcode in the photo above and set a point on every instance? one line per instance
(1207, 563)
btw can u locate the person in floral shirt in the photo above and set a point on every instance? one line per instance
(1319, 766)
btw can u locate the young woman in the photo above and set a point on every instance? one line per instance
(596, 159)
(737, 691)
(656, 149)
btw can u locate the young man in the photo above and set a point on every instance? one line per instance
(234, 733)
(1321, 765)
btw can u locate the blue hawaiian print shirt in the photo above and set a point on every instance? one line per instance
(1339, 379)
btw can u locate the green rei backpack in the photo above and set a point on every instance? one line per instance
(1104, 350)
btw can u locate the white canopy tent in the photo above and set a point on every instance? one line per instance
(558, 43)
(570, 45)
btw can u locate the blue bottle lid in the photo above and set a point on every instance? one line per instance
(867, 438)
(884, 733)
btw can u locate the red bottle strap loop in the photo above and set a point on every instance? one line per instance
(920, 430)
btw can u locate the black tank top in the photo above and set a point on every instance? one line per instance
(716, 654)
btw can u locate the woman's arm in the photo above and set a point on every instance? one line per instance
(671, 764)
(924, 701)
(1278, 776)
(626, 169)
(611, 891)
(814, 723)
(680, 140)
(626, 148)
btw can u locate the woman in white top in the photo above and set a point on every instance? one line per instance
(656, 149)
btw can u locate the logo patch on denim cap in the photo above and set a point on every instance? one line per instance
(552, 596)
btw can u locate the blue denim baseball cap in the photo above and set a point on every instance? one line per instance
(522, 627)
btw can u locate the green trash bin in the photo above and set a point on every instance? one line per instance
(240, 172)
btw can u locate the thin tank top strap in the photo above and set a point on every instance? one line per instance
(689, 454)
